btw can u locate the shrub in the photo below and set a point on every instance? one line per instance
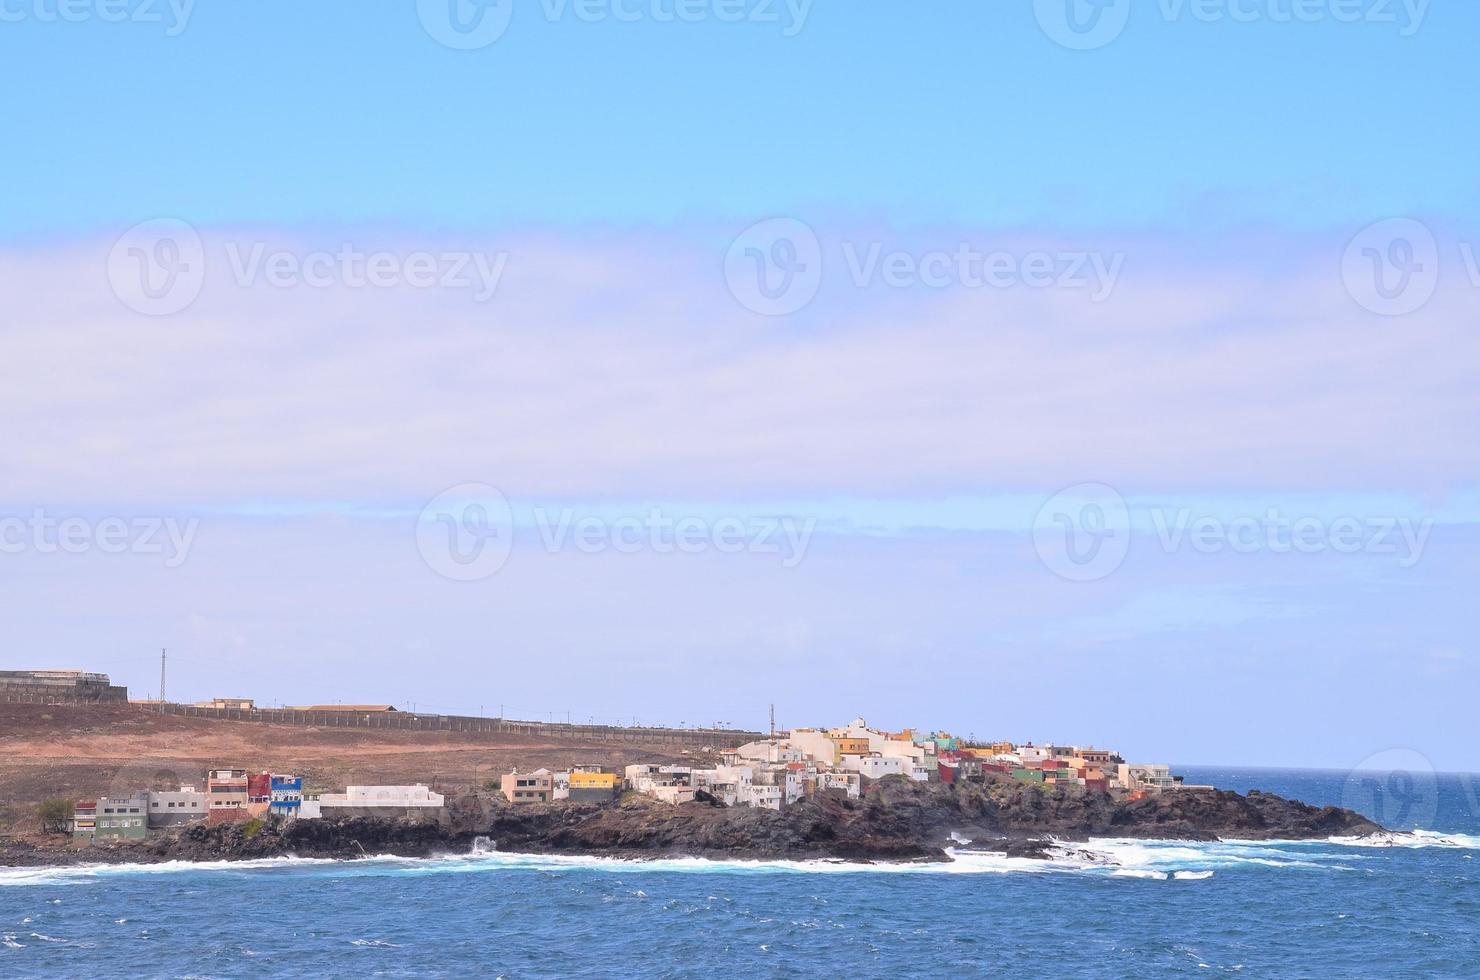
(55, 816)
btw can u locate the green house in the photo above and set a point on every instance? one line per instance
(112, 818)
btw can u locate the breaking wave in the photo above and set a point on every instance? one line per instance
(1108, 857)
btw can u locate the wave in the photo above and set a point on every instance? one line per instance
(1167, 860)
(1412, 839)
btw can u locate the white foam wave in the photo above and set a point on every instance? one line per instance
(1412, 839)
(1118, 857)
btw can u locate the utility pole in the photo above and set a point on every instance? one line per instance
(161, 675)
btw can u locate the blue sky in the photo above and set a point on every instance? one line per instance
(330, 112)
(1082, 477)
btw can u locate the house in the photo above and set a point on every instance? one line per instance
(846, 745)
(226, 795)
(765, 797)
(224, 704)
(115, 818)
(84, 819)
(849, 782)
(259, 793)
(1151, 778)
(561, 785)
(591, 787)
(377, 801)
(874, 766)
(286, 796)
(169, 808)
(532, 787)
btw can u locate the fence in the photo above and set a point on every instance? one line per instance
(409, 721)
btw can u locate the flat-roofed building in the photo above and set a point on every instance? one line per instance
(226, 795)
(377, 801)
(59, 685)
(228, 704)
(287, 796)
(528, 787)
(118, 818)
(592, 787)
(169, 808)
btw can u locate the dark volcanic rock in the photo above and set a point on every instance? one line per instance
(896, 820)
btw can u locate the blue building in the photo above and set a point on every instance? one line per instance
(287, 796)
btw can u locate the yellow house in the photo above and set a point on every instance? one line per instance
(845, 745)
(593, 780)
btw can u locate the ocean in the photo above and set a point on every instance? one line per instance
(1131, 908)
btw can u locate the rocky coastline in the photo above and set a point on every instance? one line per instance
(896, 820)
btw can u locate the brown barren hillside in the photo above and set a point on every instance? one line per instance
(77, 751)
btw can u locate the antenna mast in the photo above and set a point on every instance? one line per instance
(161, 675)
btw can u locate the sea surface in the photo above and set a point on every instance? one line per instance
(1130, 909)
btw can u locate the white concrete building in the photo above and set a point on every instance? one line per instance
(766, 797)
(1144, 776)
(167, 808)
(847, 781)
(399, 797)
(779, 750)
(875, 766)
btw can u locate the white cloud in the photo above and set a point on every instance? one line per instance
(622, 366)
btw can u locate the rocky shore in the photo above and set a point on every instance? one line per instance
(896, 820)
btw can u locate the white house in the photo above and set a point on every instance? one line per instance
(399, 797)
(875, 766)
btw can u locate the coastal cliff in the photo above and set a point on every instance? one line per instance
(896, 820)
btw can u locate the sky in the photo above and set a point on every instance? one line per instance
(1092, 372)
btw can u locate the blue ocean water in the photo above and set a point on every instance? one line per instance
(1132, 908)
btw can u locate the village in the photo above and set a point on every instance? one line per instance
(770, 773)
